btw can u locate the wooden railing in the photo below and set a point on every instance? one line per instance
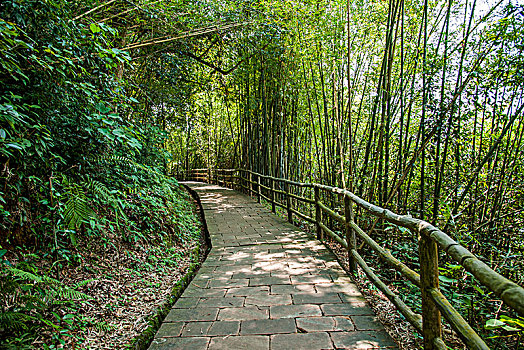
(222, 177)
(293, 196)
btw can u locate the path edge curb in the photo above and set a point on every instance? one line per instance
(144, 339)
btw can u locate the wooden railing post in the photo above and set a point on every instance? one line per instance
(244, 176)
(272, 194)
(238, 183)
(288, 203)
(350, 234)
(250, 184)
(259, 190)
(318, 213)
(431, 320)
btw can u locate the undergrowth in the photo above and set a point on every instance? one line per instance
(43, 302)
(90, 223)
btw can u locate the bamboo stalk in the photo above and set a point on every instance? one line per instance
(94, 9)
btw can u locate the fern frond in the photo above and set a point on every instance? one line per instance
(101, 191)
(103, 327)
(98, 189)
(83, 283)
(14, 320)
(77, 208)
(29, 276)
(132, 163)
(71, 294)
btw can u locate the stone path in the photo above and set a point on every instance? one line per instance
(266, 285)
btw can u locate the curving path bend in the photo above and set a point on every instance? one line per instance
(266, 285)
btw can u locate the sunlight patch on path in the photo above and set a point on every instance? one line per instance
(266, 285)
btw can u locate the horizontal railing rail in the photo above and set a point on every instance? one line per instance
(430, 240)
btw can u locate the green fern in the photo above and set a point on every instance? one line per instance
(76, 209)
(83, 283)
(57, 291)
(72, 294)
(128, 162)
(14, 320)
(100, 190)
(103, 327)
(29, 297)
(29, 276)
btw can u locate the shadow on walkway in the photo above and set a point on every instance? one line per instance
(266, 285)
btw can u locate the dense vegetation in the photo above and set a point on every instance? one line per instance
(85, 197)
(415, 106)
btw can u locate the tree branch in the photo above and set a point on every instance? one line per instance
(188, 34)
(218, 69)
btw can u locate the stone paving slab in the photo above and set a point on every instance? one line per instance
(269, 327)
(324, 323)
(266, 285)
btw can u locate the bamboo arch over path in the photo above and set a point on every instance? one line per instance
(430, 239)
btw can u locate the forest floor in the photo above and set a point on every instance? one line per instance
(130, 291)
(126, 284)
(127, 288)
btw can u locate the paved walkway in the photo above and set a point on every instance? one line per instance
(266, 285)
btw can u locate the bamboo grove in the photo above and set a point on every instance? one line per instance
(414, 106)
